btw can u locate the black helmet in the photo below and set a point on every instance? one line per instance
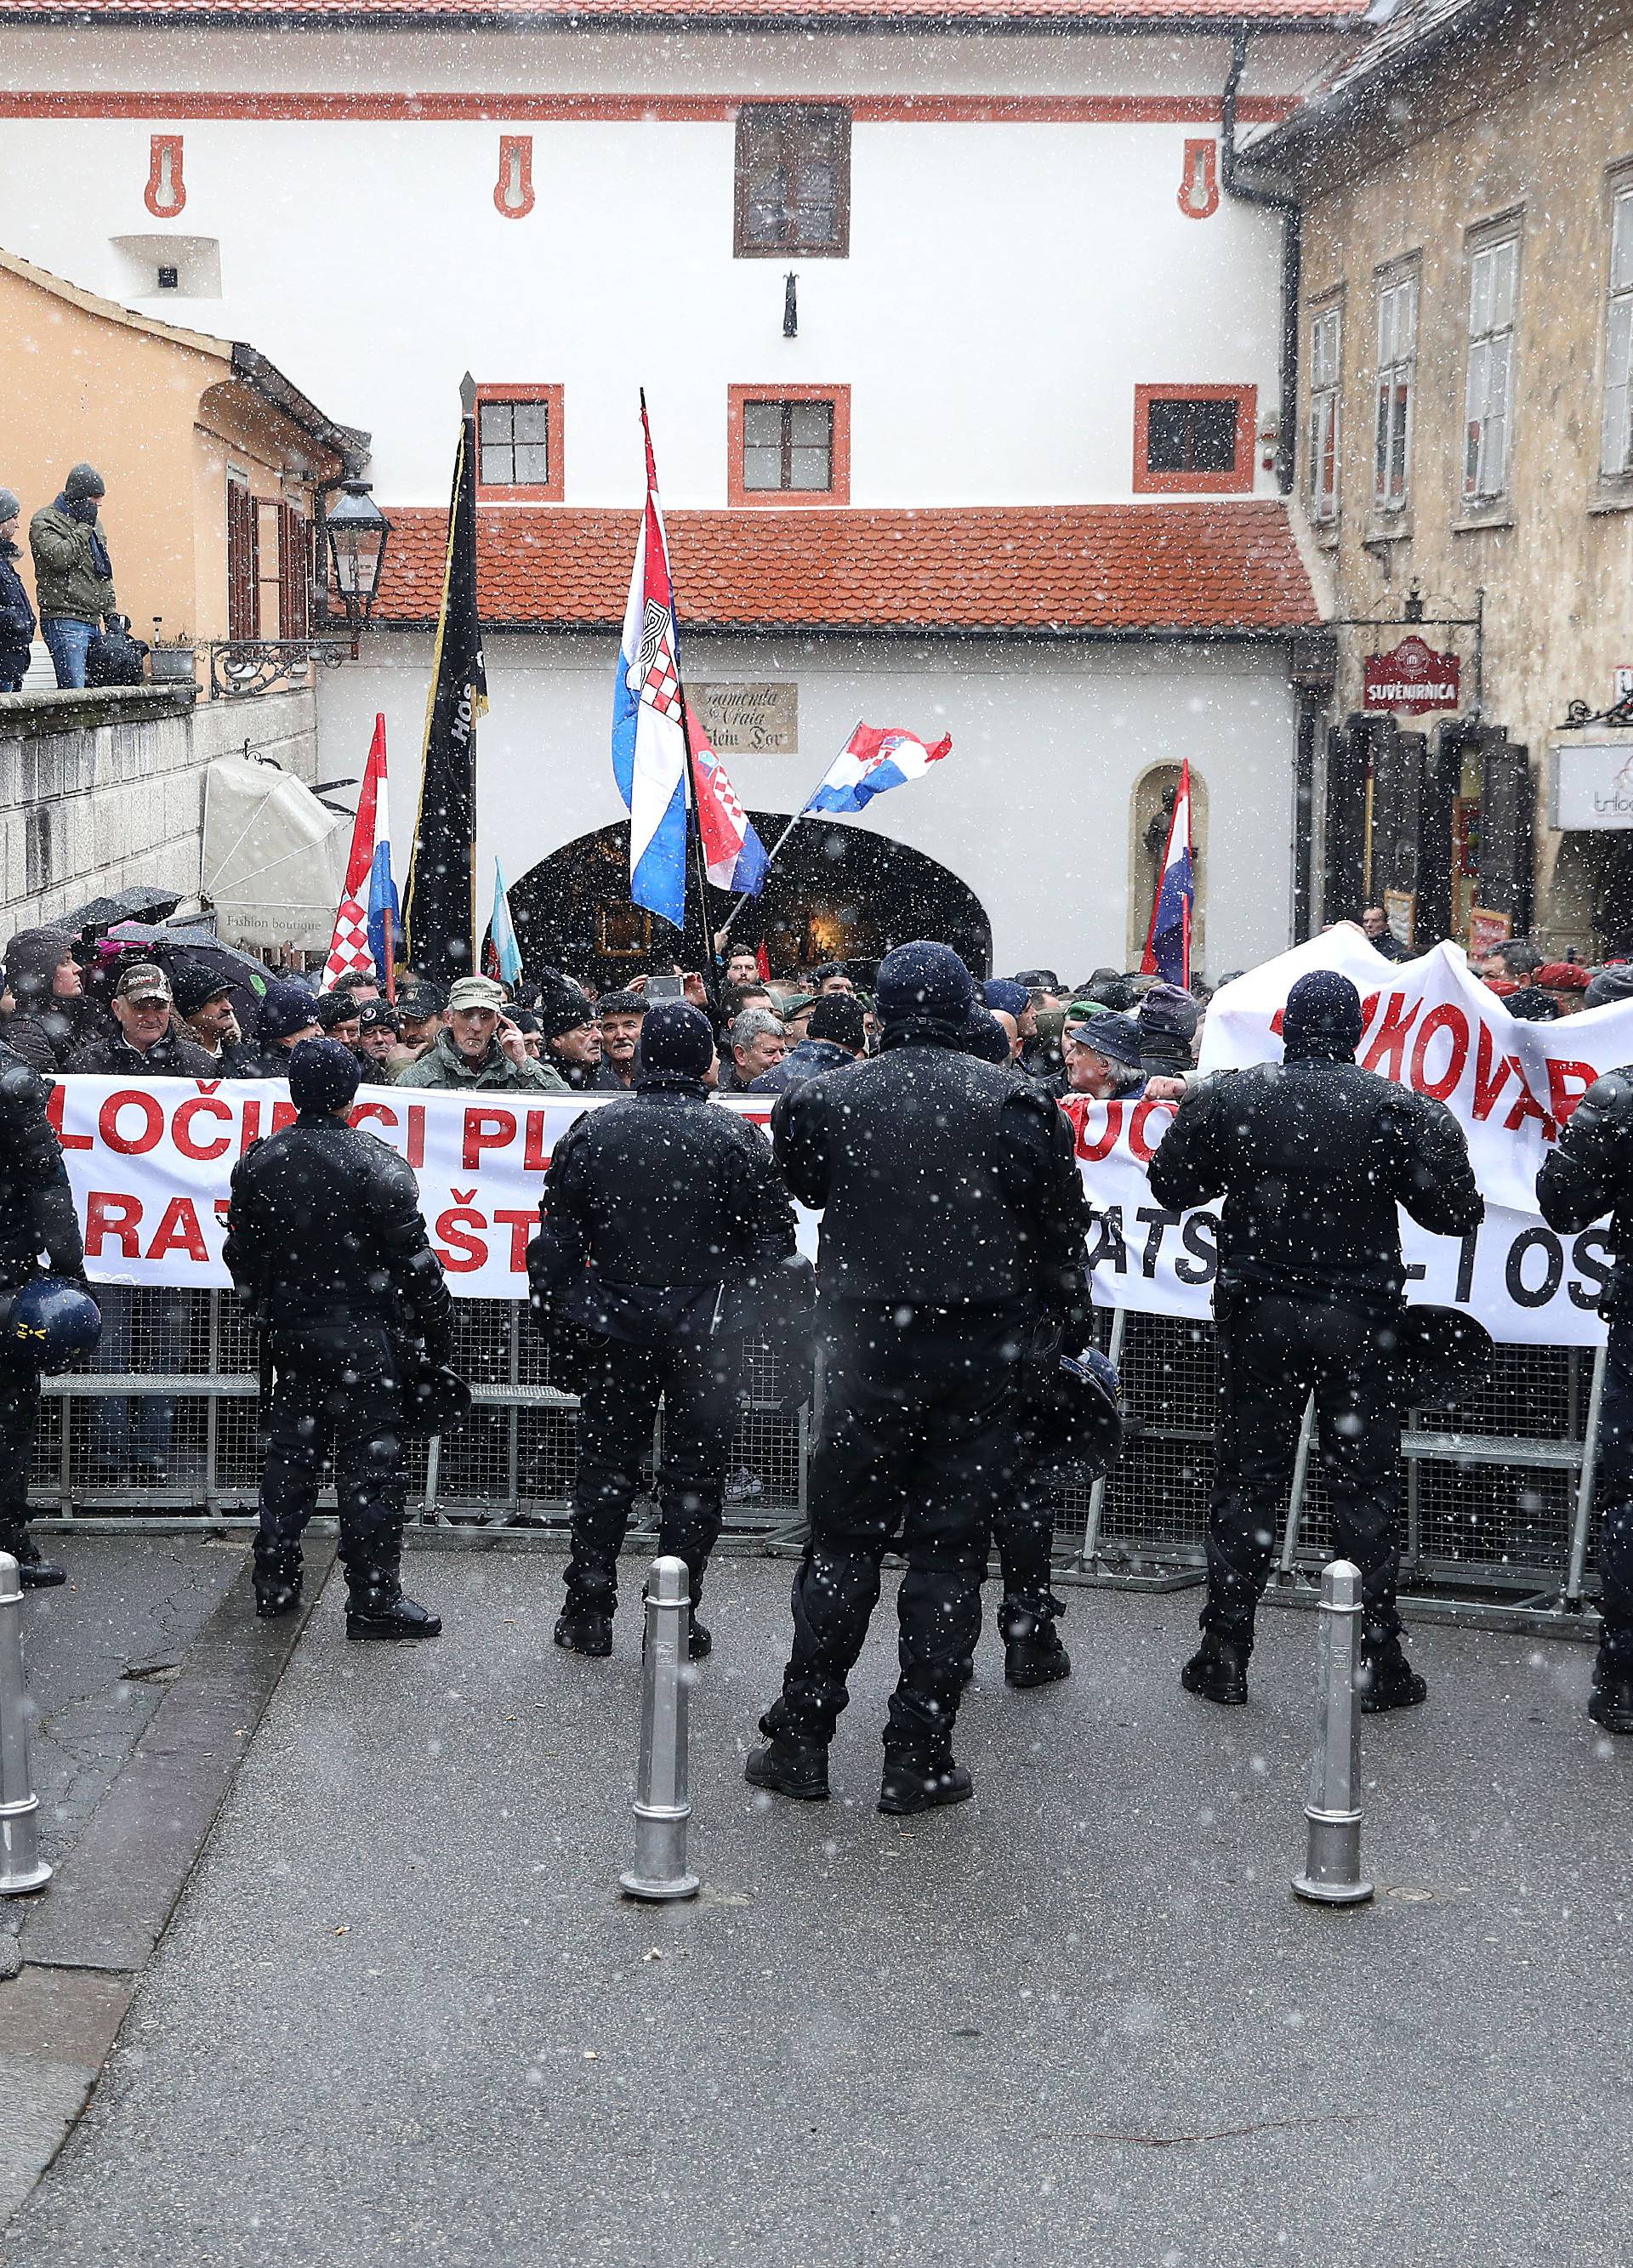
(1070, 1408)
(435, 1398)
(1435, 1355)
(49, 1323)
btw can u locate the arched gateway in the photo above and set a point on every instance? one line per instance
(836, 893)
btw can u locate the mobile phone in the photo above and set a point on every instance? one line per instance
(665, 988)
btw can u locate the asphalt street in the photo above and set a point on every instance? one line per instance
(402, 2013)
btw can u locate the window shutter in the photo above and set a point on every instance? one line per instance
(294, 611)
(1344, 825)
(1507, 826)
(1616, 454)
(243, 565)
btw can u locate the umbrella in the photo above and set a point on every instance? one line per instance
(124, 905)
(246, 977)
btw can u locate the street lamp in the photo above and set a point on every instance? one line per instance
(356, 530)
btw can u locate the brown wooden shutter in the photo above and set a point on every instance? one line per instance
(1344, 853)
(1507, 828)
(293, 578)
(243, 563)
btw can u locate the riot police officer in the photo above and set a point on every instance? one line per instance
(953, 1222)
(1590, 1174)
(326, 1248)
(36, 1217)
(663, 1227)
(1312, 1156)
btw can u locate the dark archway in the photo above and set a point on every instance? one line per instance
(836, 893)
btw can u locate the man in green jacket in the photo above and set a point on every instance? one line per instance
(73, 575)
(480, 1047)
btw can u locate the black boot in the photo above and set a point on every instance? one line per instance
(1218, 1669)
(376, 1603)
(277, 1576)
(795, 1768)
(585, 1630)
(1612, 1704)
(1384, 1679)
(592, 1595)
(908, 1788)
(33, 1573)
(1032, 1651)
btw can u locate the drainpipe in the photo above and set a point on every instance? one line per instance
(1241, 185)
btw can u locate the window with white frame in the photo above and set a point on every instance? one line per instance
(1616, 449)
(1493, 297)
(1325, 343)
(1397, 384)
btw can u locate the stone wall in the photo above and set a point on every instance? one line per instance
(102, 790)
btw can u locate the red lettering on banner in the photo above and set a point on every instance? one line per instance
(417, 1135)
(521, 1225)
(110, 1214)
(1137, 1142)
(1527, 1106)
(224, 1210)
(535, 1156)
(182, 1128)
(1486, 1089)
(283, 1114)
(1388, 1049)
(1562, 1099)
(55, 1102)
(1077, 1110)
(1447, 1018)
(383, 1111)
(485, 1130)
(178, 1231)
(251, 1129)
(153, 1122)
(462, 1228)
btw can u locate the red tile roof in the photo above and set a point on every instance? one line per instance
(812, 14)
(1185, 567)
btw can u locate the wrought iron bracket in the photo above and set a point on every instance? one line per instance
(1578, 714)
(239, 667)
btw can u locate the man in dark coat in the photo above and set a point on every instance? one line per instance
(285, 1015)
(204, 1003)
(1591, 1175)
(144, 1046)
(571, 1033)
(664, 1228)
(328, 1250)
(1312, 1156)
(16, 613)
(619, 1015)
(36, 1217)
(953, 1227)
(48, 986)
(835, 1035)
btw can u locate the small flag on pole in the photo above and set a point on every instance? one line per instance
(365, 923)
(876, 758)
(1168, 940)
(505, 953)
(648, 737)
(734, 855)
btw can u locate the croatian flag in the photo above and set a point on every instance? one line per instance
(1168, 940)
(875, 758)
(506, 954)
(648, 738)
(732, 852)
(368, 920)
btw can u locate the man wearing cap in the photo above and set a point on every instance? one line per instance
(377, 1042)
(663, 1227)
(832, 976)
(836, 1036)
(1103, 1054)
(1313, 1157)
(422, 1011)
(336, 1013)
(1007, 997)
(73, 578)
(571, 1033)
(620, 1018)
(328, 1250)
(48, 986)
(480, 1048)
(144, 1046)
(205, 1004)
(287, 1015)
(953, 1225)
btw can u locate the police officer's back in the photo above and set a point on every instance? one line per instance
(1313, 1157)
(953, 1215)
(1588, 1175)
(663, 1226)
(327, 1246)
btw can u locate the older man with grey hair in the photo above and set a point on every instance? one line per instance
(758, 1040)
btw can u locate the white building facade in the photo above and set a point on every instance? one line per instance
(984, 268)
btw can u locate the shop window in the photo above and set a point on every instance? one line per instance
(1493, 305)
(1325, 360)
(1616, 446)
(519, 455)
(1397, 382)
(1195, 439)
(788, 445)
(792, 181)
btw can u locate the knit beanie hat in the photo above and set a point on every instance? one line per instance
(83, 481)
(563, 1005)
(1007, 993)
(838, 1016)
(1605, 984)
(985, 1038)
(32, 959)
(10, 504)
(1322, 1018)
(323, 1075)
(925, 980)
(676, 1041)
(285, 1008)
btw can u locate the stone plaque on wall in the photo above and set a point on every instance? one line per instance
(750, 720)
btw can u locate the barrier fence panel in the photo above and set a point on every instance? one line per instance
(165, 1425)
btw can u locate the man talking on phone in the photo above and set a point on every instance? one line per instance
(480, 1047)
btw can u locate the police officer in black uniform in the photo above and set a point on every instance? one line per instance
(1590, 1174)
(953, 1223)
(664, 1231)
(1312, 1156)
(326, 1248)
(36, 1217)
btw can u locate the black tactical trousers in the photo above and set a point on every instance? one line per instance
(1025, 1538)
(20, 1413)
(1612, 1550)
(696, 1379)
(920, 1444)
(1273, 1352)
(336, 1393)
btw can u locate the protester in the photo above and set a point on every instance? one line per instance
(328, 1250)
(1375, 927)
(832, 976)
(480, 1047)
(1169, 1020)
(953, 1217)
(1531, 1004)
(203, 1001)
(742, 966)
(361, 983)
(287, 1015)
(337, 1014)
(48, 986)
(1005, 997)
(570, 1031)
(796, 1015)
(836, 1037)
(1102, 1056)
(422, 1011)
(1313, 1158)
(377, 1041)
(620, 1016)
(1605, 985)
(758, 1040)
(660, 1224)
(144, 1045)
(17, 614)
(73, 576)
(1565, 983)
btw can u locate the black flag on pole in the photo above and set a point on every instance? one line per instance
(439, 905)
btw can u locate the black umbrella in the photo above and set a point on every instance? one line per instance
(245, 977)
(144, 902)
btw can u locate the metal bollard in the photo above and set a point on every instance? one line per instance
(661, 1808)
(1332, 1875)
(21, 1867)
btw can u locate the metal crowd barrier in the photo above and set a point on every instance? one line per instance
(1495, 1493)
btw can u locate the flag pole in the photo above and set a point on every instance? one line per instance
(804, 811)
